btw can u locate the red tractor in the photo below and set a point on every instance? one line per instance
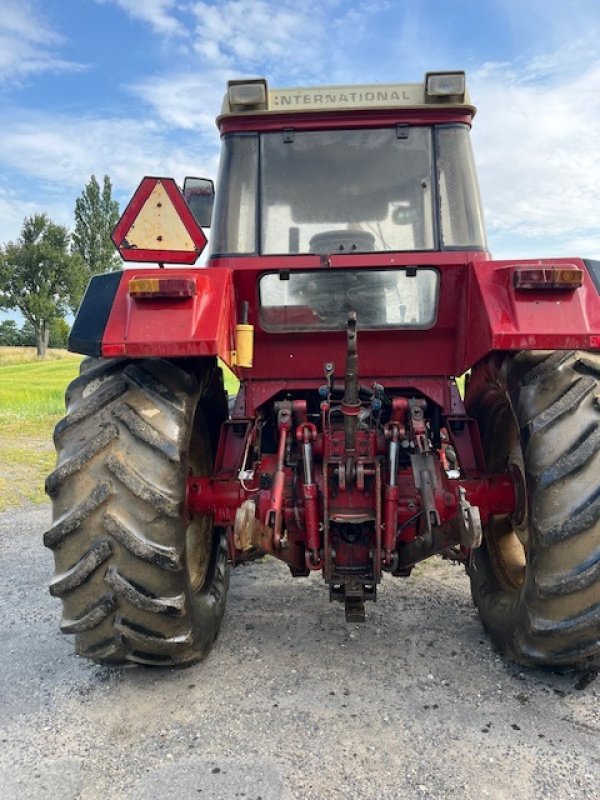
(348, 285)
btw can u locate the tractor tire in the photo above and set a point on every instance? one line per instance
(536, 578)
(139, 581)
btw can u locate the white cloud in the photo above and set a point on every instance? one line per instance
(27, 44)
(13, 211)
(47, 160)
(65, 150)
(286, 41)
(537, 138)
(188, 100)
(157, 13)
(274, 38)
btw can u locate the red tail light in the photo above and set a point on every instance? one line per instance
(566, 277)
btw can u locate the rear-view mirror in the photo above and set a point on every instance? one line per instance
(199, 194)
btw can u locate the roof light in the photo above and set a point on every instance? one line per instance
(248, 94)
(568, 277)
(154, 288)
(445, 84)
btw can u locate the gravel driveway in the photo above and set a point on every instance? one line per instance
(292, 702)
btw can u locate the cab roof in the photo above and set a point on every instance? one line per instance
(439, 90)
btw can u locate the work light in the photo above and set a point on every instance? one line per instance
(445, 84)
(248, 94)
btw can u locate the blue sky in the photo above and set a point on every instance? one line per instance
(131, 87)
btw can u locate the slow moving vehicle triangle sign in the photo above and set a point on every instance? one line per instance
(158, 225)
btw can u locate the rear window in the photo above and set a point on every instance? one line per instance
(321, 300)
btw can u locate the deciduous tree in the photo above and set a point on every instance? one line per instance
(10, 336)
(40, 277)
(59, 333)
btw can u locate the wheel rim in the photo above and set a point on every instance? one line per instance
(507, 542)
(199, 533)
(507, 554)
(198, 551)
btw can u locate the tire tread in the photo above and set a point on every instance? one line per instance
(553, 620)
(120, 551)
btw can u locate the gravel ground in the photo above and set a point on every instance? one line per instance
(292, 702)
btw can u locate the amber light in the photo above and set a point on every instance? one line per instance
(569, 278)
(153, 288)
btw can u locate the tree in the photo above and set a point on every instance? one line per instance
(59, 333)
(96, 214)
(10, 335)
(40, 277)
(27, 335)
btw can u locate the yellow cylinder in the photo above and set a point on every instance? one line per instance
(244, 344)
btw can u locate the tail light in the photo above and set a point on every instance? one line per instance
(566, 278)
(154, 288)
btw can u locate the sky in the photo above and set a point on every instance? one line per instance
(131, 88)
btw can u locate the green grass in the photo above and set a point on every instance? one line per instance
(31, 403)
(231, 382)
(35, 388)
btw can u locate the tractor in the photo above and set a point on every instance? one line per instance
(402, 395)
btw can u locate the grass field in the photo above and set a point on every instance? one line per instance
(31, 403)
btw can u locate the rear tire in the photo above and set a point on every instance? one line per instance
(138, 582)
(536, 580)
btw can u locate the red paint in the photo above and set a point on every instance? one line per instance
(493, 494)
(335, 120)
(201, 325)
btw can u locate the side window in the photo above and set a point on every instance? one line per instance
(234, 222)
(461, 219)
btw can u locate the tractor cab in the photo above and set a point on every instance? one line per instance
(347, 170)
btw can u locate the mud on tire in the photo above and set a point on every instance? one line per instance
(138, 582)
(536, 580)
